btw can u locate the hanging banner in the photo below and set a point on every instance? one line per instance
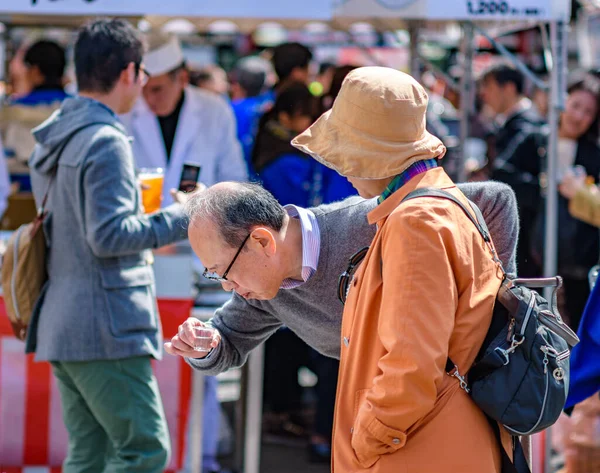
(454, 10)
(266, 9)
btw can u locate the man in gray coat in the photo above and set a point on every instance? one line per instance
(97, 320)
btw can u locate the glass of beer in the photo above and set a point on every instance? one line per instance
(151, 180)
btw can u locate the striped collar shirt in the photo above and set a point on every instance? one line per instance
(311, 244)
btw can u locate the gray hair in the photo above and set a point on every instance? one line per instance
(235, 208)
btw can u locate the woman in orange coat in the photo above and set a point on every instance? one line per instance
(424, 292)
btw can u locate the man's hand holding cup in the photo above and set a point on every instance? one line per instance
(194, 339)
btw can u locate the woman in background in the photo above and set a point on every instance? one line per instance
(578, 152)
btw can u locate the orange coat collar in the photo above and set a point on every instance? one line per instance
(436, 178)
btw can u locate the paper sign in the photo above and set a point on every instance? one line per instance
(453, 9)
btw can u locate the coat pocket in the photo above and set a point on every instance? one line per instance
(365, 447)
(359, 398)
(119, 278)
(130, 299)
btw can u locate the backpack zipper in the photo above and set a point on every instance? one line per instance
(528, 314)
(14, 275)
(514, 341)
(511, 328)
(546, 372)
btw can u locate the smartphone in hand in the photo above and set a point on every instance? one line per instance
(189, 177)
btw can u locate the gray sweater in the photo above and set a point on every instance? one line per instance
(313, 310)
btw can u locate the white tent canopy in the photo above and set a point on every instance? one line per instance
(266, 9)
(246, 14)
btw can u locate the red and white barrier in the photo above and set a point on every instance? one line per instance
(33, 438)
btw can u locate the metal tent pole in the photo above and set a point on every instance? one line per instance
(466, 96)
(558, 38)
(196, 420)
(558, 41)
(512, 58)
(253, 431)
(414, 29)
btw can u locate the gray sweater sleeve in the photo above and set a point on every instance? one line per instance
(243, 327)
(113, 226)
(498, 205)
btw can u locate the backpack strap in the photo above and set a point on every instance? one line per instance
(519, 463)
(477, 220)
(432, 192)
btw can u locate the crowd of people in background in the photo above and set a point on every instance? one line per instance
(238, 125)
(517, 155)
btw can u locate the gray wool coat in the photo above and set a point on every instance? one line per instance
(100, 301)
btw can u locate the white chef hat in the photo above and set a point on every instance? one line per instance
(164, 55)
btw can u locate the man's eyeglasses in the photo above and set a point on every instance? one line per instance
(215, 276)
(346, 277)
(141, 70)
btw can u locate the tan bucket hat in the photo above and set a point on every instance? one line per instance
(376, 128)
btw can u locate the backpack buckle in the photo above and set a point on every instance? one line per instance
(461, 379)
(503, 354)
(517, 340)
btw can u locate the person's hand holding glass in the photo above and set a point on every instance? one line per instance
(194, 339)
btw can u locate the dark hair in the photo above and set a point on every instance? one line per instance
(295, 100)
(236, 209)
(104, 48)
(289, 56)
(197, 77)
(591, 84)
(338, 79)
(593, 72)
(325, 66)
(49, 57)
(205, 75)
(251, 74)
(504, 73)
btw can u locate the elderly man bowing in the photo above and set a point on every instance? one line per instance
(283, 264)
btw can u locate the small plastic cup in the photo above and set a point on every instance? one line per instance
(203, 338)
